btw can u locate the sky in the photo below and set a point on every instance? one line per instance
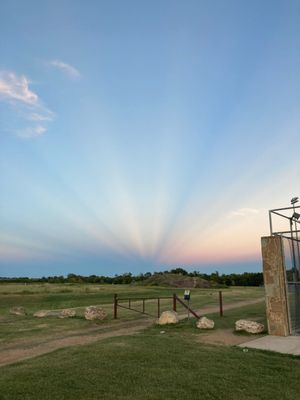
(141, 135)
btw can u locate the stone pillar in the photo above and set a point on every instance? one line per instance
(275, 285)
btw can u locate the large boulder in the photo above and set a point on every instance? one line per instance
(18, 311)
(205, 323)
(168, 317)
(249, 326)
(67, 313)
(94, 312)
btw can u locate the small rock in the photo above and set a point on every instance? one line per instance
(168, 317)
(46, 313)
(67, 313)
(249, 326)
(205, 323)
(18, 311)
(94, 312)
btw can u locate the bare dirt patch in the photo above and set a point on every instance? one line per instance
(224, 337)
(38, 346)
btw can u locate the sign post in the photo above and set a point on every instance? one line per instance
(187, 297)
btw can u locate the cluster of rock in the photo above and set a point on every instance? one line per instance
(18, 311)
(249, 326)
(171, 317)
(66, 313)
(46, 313)
(91, 313)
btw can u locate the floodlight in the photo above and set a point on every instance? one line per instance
(294, 200)
(296, 216)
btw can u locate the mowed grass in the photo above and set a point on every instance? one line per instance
(156, 366)
(36, 297)
(56, 296)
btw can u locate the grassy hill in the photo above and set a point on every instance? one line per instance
(176, 280)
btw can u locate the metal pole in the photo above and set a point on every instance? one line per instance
(298, 252)
(115, 306)
(296, 270)
(293, 252)
(270, 221)
(221, 303)
(143, 305)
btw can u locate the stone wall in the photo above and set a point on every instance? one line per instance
(275, 285)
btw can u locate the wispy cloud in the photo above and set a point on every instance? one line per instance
(71, 71)
(16, 88)
(243, 212)
(47, 116)
(25, 104)
(32, 131)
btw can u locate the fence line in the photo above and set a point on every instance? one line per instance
(174, 299)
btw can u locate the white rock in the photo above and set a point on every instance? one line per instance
(67, 313)
(46, 313)
(168, 317)
(94, 312)
(249, 326)
(205, 323)
(18, 311)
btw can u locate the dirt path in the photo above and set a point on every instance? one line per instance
(225, 337)
(33, 347)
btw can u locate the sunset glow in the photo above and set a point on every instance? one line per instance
(152, 134)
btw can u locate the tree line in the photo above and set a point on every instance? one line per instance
(243, 279)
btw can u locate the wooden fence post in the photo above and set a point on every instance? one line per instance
(221, 303)
(115, 306)
(158, 307)
(174, 302)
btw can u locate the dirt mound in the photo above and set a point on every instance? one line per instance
(176, 280)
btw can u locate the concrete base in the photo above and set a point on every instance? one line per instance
(285, 345)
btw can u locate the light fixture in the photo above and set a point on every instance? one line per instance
(294, 200)
(296, 216)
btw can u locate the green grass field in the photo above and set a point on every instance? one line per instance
(150, 365)
(155, 366)
(36, 297)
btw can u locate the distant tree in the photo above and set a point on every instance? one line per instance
(178, 271)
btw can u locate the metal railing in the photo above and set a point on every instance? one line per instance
(129, 303)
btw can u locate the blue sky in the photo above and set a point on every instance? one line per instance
(140, 135)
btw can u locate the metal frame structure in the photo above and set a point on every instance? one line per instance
(292, 281)
(291, 220)
(292, 234)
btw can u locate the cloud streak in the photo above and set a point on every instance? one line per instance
(71, 71)
(32, 131)
(15, 87)
(243, 212)
(25, 103)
